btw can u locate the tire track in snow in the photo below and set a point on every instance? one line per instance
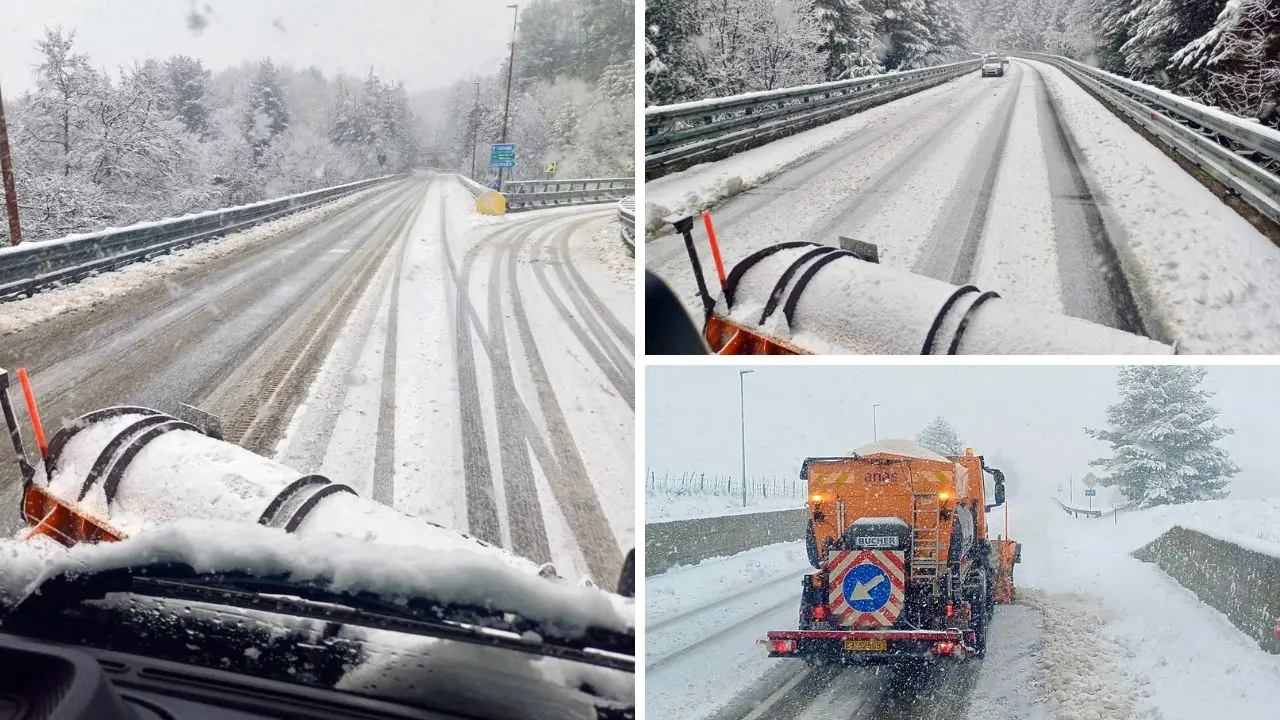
(567, 476)
(1086, 254)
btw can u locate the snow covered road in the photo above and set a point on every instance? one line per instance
(1093, 634)
(1023, 184)
(472, 371)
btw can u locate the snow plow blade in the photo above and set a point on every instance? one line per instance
(805, 297)
(1007, 554)
(869, 647)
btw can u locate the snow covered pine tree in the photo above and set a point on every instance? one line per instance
(1162, 438)
(940, 437)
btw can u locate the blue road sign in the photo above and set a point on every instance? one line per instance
(1090, 492)
(866, 587)
(502, 155)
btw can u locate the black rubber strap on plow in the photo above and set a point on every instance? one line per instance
(135, 446)
(793, 299)
(735, 275)
(303, 510)
(781, 286)
(942, 313)
(964, 321)
(108, 453)
(65, 434)
(285, 495)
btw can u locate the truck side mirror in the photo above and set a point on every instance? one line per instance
(627, 580)
(999, 493)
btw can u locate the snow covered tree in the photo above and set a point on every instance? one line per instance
(1237, 60)
(1162, 438)
(849, 38)
(265, 114)
(940, 437)
(189, 83)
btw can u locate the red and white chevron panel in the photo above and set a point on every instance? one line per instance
(891, 562)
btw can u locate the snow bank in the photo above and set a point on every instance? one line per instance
(1204, 274)
(688, 587)
(83, 296)
(667, 508)
(344, 564)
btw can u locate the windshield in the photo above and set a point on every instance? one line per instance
(337, 273)
(1080, 509)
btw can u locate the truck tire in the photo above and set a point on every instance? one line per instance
(980, 601)
(811, 546)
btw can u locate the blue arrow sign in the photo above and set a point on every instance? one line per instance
(866, 587)
(1090, 492)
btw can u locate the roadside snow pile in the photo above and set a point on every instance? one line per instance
(703, 186)
(668, 507)
(1204, 276)
(1253, 521)
(98, 289)
(687, 587)
(606, 247)
(457, 576)
(1121, 636)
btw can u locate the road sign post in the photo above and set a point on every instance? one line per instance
(1090, 493)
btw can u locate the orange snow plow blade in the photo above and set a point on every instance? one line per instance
(1008, 554)
(728, 338)
(52, 518)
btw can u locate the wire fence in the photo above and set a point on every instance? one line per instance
(691, 484)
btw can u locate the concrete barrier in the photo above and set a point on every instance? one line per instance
(1240, 583)
(684, 542)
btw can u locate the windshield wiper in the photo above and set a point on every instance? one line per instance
(476, 624)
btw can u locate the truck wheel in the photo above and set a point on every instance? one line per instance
(981, 602)
(811, 546)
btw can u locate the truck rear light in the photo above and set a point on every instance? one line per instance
(784, 647)
(815, 580)
(951, 610)
(818, 612)
(944, 647)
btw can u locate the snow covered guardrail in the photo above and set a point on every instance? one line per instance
(684, 542)
(475, 188)
(1081, 512)
(1237, 575)
(1242, 155)
(535, 194)
(681, 135)
(34, 266)
(627, 218)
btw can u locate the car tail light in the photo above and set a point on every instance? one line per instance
(819, 612)
(784, 646)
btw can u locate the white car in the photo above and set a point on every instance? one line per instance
(992, 66)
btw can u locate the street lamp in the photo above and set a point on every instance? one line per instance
(875, 432)
(743, 414)
(511, 64)
(475, 128)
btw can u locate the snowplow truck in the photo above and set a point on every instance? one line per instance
(904, 567)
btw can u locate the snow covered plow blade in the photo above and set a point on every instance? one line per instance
(808, 298)
(116, 472)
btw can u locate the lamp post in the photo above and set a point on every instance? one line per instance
(475, 128)
(743, 414)
(511, 64)
(875, 431)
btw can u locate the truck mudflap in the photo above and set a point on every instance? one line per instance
(865, 647)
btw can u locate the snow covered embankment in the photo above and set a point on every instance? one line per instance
(684, 542)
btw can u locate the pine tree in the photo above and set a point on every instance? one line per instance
(669, 27)
(189, 83)
(266, 113)
(1162, 438)
(940, 437)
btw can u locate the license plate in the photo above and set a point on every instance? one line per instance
(865, 645)
(877, 541)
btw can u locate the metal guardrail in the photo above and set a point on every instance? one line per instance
(1078, 512)
(1242, 155)
(679, 136)
(34, 266)
(627, 218)
(535, 194)
(475, 188)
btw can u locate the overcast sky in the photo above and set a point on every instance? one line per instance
(425, 43)
(1031, 419)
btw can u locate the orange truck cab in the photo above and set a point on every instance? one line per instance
(904, 568)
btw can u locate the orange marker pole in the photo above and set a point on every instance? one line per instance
(35, 414)
(715, 249)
